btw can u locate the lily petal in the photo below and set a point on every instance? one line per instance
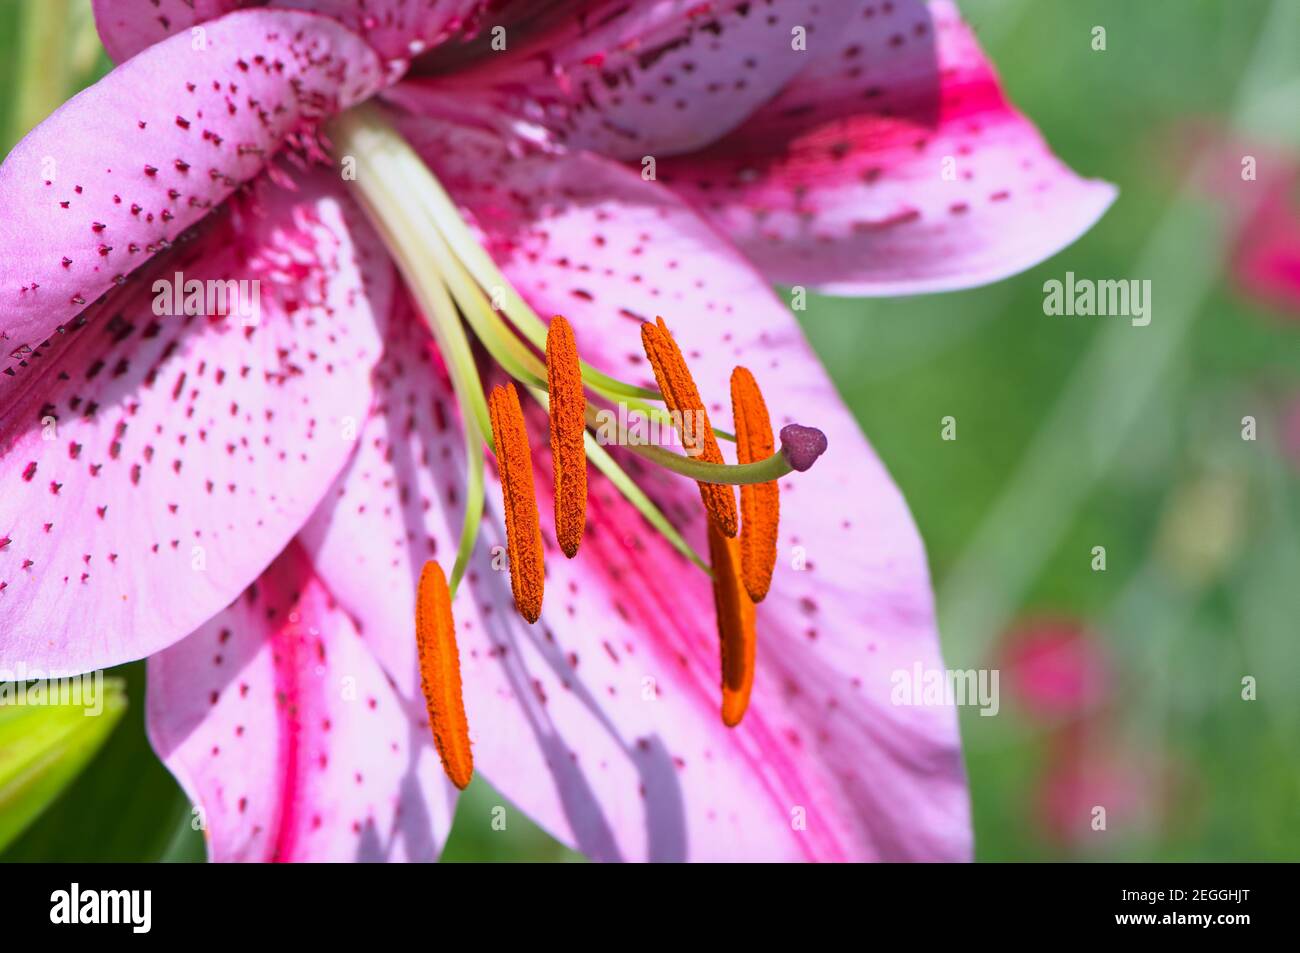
(636, 79)
(128, 26)
(288, 737)
(893, 165)
(126, 166)
(613, 696)
(1266, 243)
(401, 29)
(399, 502)
(151, 466)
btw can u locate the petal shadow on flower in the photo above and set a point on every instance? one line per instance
(419, 828)
(593, 833)
(490, 626)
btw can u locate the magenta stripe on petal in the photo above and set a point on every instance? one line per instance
(893, 165)
(288, 736)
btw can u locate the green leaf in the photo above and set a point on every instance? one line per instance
(44, 746)
(125, 807)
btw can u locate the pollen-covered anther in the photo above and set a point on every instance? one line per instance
(683, 398)
(737, 627)
(523, 526)
(760, 503)
(568, 428)
(435, 636)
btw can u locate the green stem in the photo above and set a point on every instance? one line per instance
(521, 315)
(760, 471)
(475, 437)
(404, 233)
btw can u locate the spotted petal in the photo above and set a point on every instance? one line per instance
(152, 465)
(125, 167)
(893, 165)
(128, 26)
(400, 501)
(401, 29)
(637, 79)
(396, 29)
(288, 737)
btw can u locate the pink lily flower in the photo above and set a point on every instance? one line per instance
(1055, 667)
(250, 507)
(1255, 184)
(1095, 791)
(1266, 245)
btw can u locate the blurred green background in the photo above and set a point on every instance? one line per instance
(1072, 433)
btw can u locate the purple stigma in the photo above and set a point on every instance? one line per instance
(801, 446)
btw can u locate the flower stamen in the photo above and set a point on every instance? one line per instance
(435, 636)
(683, 397)
(737, 627)
(568, 429)
(523, 525)
(449, 274)
(760, 503)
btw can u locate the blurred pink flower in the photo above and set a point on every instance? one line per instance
(1258, 186)
(1055, 667)
(1265, 254)
(1092, 787)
